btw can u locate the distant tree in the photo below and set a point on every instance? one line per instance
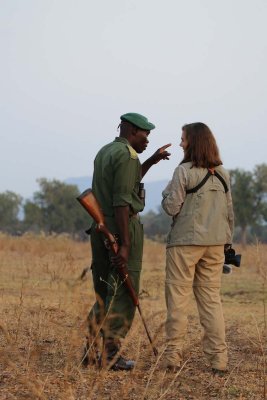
(33, 217)
(10, 203)
(249, 191)
(260, 187)
(55, 209)
(156, 225)
(243, 200)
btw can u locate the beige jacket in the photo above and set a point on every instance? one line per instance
(202, 218)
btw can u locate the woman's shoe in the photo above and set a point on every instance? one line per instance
(218, 372)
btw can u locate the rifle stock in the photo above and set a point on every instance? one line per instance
(88, 200)
(91, 205)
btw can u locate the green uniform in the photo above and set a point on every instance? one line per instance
(116, 179)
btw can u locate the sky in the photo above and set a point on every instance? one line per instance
(69, 69)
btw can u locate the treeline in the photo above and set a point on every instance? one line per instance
(54, 209)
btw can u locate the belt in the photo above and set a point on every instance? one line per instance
(136, 215)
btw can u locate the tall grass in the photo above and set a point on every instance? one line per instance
(43, 310)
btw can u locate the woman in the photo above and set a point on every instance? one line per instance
(199, 200)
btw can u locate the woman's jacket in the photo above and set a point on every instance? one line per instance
(202, 218)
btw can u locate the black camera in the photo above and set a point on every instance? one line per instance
(231, 259)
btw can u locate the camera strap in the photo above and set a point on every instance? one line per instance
(211, 171)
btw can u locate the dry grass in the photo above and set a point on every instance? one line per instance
(43, 306)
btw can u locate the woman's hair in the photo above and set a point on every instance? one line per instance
(202, 149)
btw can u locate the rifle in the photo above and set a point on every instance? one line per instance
(88, 200)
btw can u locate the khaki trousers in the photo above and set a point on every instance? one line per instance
(199, 267)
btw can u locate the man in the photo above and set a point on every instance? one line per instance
(116, 183)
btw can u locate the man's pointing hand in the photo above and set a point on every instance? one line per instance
(161, 154)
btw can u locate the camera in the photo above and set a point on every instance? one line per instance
(231, 259)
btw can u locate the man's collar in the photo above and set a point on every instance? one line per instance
(130, 148)
(121, 139)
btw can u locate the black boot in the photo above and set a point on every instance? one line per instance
(112, 360)
(91, 355)
(218, 372)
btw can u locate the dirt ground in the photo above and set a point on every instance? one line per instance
(43, 307)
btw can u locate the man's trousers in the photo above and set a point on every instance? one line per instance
(113, 311)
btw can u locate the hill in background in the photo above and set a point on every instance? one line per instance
(153, 190)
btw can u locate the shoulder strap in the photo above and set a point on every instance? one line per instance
(204, 180)
(222, 181)
(211, 171)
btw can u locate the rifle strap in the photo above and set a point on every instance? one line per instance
(211, 171)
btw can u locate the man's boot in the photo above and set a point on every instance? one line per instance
(112, 360)
(91, 354)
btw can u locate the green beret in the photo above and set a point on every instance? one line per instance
(138, 120)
